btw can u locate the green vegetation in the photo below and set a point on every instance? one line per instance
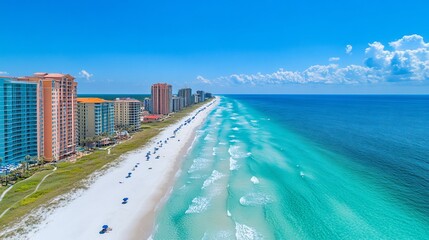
(69, 175)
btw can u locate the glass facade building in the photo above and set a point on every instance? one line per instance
(107, 113)
(18, 120)
(186, 94)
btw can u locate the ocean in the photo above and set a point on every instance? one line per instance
(305, 167)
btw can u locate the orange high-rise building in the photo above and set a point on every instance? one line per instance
(162, 98)
(57, 114)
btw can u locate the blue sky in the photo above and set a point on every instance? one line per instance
(222, 46)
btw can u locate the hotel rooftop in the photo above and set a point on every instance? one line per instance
(91, 100)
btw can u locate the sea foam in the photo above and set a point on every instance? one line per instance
(254, 180)
(233, 165)
(244, 232)
(218, 235)
(255, 199)
(234, 151)
(213, 178)
(198, 205)
(198, 164)
(209, 138)
(214, 151)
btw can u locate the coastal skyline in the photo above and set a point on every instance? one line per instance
(240, 120)
(223, 47)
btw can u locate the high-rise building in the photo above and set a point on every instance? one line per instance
(57, 107)
(147, 103)
(127, 112)
(181, 103)
(178, 103)
(186, 94)
(96, 116)
(18, 120)
(201, 95)
(208, 95)
(195, 98)
(162, 98)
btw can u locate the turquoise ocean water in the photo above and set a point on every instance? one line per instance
(305, 167)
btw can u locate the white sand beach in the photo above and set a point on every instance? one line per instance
(101, 204)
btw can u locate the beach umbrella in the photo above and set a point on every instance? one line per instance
(105, 227)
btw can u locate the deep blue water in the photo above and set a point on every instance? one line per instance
(388, 134)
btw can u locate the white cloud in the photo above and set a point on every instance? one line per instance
(324, 74)
(334, 59)
(85, 74)
(203, 80)
(349, 49)
(411, 42)
(408, 60)
(3, 72)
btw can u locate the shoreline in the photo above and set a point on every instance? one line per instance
(147, 189)
(146, 226)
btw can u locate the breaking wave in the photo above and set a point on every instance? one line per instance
(254, 180)
(244, 232)
(198, 205)
(213, 178)
(255, 199)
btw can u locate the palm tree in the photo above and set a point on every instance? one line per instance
(22, 166)
(131, 129)
(35, 160)
(27, 159)
(6, 174)
(87, 141)
(1, 160)
(41, 160)
(84, 142)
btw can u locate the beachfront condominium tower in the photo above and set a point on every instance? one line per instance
(208, 95)
(18, 120)
(96, 117)
(186, 94)
(201, 95)
(178, 103)
(127, 113)
(195, 98)
(162, 98)
(57, 112)
(147, 102)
